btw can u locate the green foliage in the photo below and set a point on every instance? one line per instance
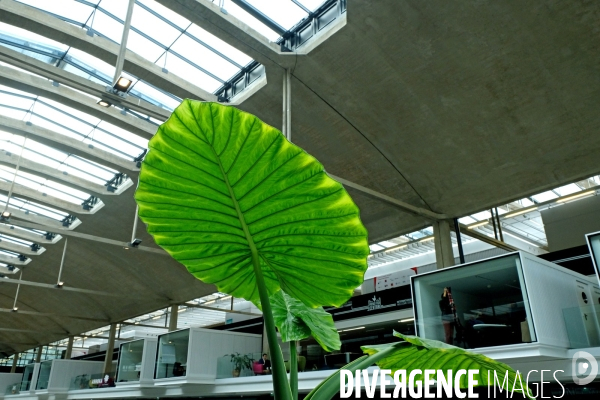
(431, 354)
(240, 361)
(296, 321)
(219, 189)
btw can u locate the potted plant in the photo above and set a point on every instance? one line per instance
(240, 361)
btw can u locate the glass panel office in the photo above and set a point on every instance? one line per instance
(44, 375)
(475, 305)
(172, 356)
(593, 240)
(28, 371)
(130, 361)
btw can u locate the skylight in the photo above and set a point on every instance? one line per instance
(34, 208)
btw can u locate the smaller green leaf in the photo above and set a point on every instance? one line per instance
(296, 321)
(431, 354)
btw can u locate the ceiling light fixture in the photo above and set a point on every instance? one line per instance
(104, 103)
(5, 216)
(136, 242)
(59, 285)
(354, 329)
(15, 309)
(122, 84)
(407, 320)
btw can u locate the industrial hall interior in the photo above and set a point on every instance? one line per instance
(456, 196)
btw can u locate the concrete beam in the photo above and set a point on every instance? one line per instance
(47, 224)
(67, 144)
(390, 200)
(72, 80)
(55, 174)
(42, 87)
(63, 288)
(226, 27)
(13, 261)
(225, 310)
(41, 197)
(43, 314)
(19, 248)
(93, 238)
(22, 16)
(10, 230)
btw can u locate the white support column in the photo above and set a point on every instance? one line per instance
(13, 369)
(444, 255)
(109, 349)
(69, 351)
(173, 314)
(286, 128)
(38, 356)
(123, 48)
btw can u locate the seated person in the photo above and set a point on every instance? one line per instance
(178, 369)
(266, 363)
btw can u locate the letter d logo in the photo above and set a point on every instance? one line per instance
(584, 363)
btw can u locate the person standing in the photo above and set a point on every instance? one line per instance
(447, 316)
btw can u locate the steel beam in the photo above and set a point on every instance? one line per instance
(66, 144)
(390, 200)
(42, 87)
(225, 310)
(486, 239)
(85, 236)
(74, 81)
(63, 288)
(43, 314)
(41, 23)
(69, 180)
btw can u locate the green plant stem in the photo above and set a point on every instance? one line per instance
(331, 386)
(281, 388)
(294, 370)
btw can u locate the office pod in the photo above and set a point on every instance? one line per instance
(507, 300)
(58, 375)
(593, 241)
(30, 373)
(136, 362)
(192, 355)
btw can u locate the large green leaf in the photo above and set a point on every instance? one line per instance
(296, 321)
(219, 185)
(431, 354)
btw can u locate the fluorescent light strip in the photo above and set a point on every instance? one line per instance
(407, 320)
(478, 224)
(523, 211)
(575, 196)
(352, 329)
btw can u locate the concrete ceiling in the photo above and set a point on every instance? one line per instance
(446, 106)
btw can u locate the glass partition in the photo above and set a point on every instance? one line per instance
(594, 245)
(130, 361)
(91, 381)
(27, 377)
(171, 358)
(227, 368)
(44, 375)
(475, 305)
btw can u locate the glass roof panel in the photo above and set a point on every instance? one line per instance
(545, 196)
(185, 70)
(156, 96)
(108, 26)
(249, 20)
(166, 13)
(118, 8)
(312, 4)
(284, 12)
(216, 43)
(200, 55)
(153, 26)
(144, 47)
